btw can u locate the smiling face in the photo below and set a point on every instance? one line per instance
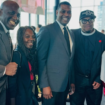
(10, 15)
(28, 38)
(87, 27)
(64, 14)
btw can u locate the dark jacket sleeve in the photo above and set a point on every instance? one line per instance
(43, 48)
(12, 80)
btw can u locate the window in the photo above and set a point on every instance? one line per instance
(33, 20)
(42, 20)
(13, 34)
(1, 2)
(24, 19)
(50, 11)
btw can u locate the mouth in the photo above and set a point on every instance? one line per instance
(65, 19)
(30, 44)
(88, 27)
(13, 23)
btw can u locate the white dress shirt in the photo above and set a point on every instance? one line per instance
(70, 40)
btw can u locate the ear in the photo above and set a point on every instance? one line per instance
(56, 12)
(0, 12)
(80, 23)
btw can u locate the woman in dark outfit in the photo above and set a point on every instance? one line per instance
(22, 85)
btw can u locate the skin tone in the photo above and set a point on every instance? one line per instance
(63, 16)
(29, 38)
(9, 14)
(88, 28)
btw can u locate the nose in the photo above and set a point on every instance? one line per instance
(87, 22)
(32, 39)
(15, 17)
(66, 14)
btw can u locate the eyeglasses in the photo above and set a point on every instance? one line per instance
(84, 21)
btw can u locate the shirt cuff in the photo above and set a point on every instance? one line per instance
(4, 71)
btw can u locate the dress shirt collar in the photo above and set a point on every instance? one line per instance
(61, 26)
(5, 29)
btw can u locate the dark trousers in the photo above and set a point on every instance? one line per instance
(59, 98)
(3, 97)
(84, 90)
(8, 102)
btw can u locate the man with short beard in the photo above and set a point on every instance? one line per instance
(9, 18)
(89, 46)
(55, 58)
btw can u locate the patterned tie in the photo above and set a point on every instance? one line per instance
(67, 39)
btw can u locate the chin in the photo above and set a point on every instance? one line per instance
(11, 28)
(89, 31)
(64, 24)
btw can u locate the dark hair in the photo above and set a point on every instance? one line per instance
(29, 53)
(33, 27)
(39, 25)
(65, 3)
(8, 3)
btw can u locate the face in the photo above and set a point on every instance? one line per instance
(64, 14)
(37, 29)
(29, 38)
(10, 16)
(87, 24)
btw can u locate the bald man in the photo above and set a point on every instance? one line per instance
(9, 18)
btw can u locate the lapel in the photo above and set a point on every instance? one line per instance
(61, 36)
(97, 46)
(6, 43)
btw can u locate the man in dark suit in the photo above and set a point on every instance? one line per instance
(89, 47)
(9, 18)
(55, 58)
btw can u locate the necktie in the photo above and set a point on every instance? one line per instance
(67, 39)
(10, 41)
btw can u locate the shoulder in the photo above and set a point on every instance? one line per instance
(76, 30)
(1, 30)
(45, 31)
(100, 34)
(46, 28)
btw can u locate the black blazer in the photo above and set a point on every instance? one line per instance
(20, 86)
(99, 49)
(5, 57)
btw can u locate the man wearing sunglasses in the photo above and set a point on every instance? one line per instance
(89, 46)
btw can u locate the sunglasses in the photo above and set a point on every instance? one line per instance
(84, 21)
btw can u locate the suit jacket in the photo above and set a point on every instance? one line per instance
(19, 85)
(5, 56)
(96, 61)
(55, 63)
(103, 68)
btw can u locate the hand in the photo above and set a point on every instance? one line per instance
(47, 93)
(11, 69)
(72, 89)
(96, 85)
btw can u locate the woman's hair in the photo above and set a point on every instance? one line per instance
(29, 53)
